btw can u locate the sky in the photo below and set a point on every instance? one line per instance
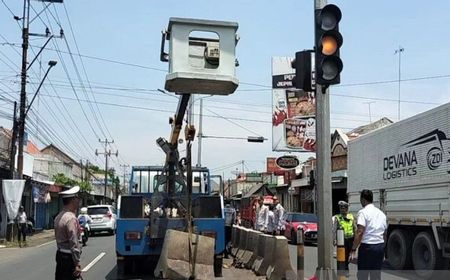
(108, 87)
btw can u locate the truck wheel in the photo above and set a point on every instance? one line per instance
(121, 269)
(426, 258)
(218, 263)
(399, 249)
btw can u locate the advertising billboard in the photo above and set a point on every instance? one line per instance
(293, 111)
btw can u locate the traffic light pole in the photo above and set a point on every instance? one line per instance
(323, 181)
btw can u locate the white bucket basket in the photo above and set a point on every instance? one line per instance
(201, 56)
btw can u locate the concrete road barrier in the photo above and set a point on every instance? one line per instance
(235, 239)
(249, 246)
(259, 256)
(253, 248)
(269, 248)
(242, 243)
(280, 266)
(174, 260)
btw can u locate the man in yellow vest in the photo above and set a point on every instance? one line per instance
(346, 221)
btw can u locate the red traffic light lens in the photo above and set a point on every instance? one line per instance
(329, 17)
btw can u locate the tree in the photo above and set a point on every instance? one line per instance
(62, 179)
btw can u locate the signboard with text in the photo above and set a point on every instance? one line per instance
(293, 111)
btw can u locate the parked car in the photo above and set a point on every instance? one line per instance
(306, 221)
(103, 218)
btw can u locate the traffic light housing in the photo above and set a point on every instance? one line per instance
(328, 42)
(304, 75)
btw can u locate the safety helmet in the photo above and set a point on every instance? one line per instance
(83, 210)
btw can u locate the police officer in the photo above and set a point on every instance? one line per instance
(230, 219)
(346, 221)
(67, 237)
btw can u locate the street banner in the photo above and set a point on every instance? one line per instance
(12, 193)
(293, 111)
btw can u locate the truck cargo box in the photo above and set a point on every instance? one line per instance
(407, 166)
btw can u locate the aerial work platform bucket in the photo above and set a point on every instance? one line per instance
(201, 56)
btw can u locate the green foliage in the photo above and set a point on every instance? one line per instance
(95, 169)
(85, 187)
(61, 179)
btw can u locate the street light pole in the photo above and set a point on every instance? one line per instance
(399, 52)
(370, 114)
(51, 63)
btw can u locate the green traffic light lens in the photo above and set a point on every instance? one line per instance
(331, 67)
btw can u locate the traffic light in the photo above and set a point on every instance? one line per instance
(304, 77)
(328, 41)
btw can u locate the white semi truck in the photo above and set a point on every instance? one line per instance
(407, 167)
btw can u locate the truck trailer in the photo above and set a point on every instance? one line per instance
(407, 167)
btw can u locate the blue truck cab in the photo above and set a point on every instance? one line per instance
(147, 212)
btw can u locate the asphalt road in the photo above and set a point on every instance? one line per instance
(39, 262)
(310, 265)
(98, 261)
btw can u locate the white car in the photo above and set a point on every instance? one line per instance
(103, 218)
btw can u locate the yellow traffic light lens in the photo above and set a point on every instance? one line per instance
(329, 45)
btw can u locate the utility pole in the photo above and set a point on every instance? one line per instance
(23, 84)
(200, 135)
(324, 205)
(125, 167)
(23, 74)
(12, 155)
(399, 52)
(107, 154)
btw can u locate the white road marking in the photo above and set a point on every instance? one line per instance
(93, 262)
(45, 243)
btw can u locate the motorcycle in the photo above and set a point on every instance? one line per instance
(84, 231)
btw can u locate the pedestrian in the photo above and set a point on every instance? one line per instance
(370, 238)
(345, 221)
(238, 217)
(271, 223)
(67, 233)
(230, 220)
(22, 227)
(279, 216)
(261, 215)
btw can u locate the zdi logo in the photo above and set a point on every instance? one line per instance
(434, 158)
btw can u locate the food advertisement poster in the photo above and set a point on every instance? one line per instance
(293, 111)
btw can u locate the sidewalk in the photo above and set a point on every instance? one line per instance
(36, 239)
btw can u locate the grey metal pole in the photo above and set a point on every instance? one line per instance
(370, 112)
(12, 155)
(200, 135)
(399, 52)
(323, 182)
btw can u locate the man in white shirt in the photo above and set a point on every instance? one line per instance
(278, 215)
(262, 215)
(370, 237)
